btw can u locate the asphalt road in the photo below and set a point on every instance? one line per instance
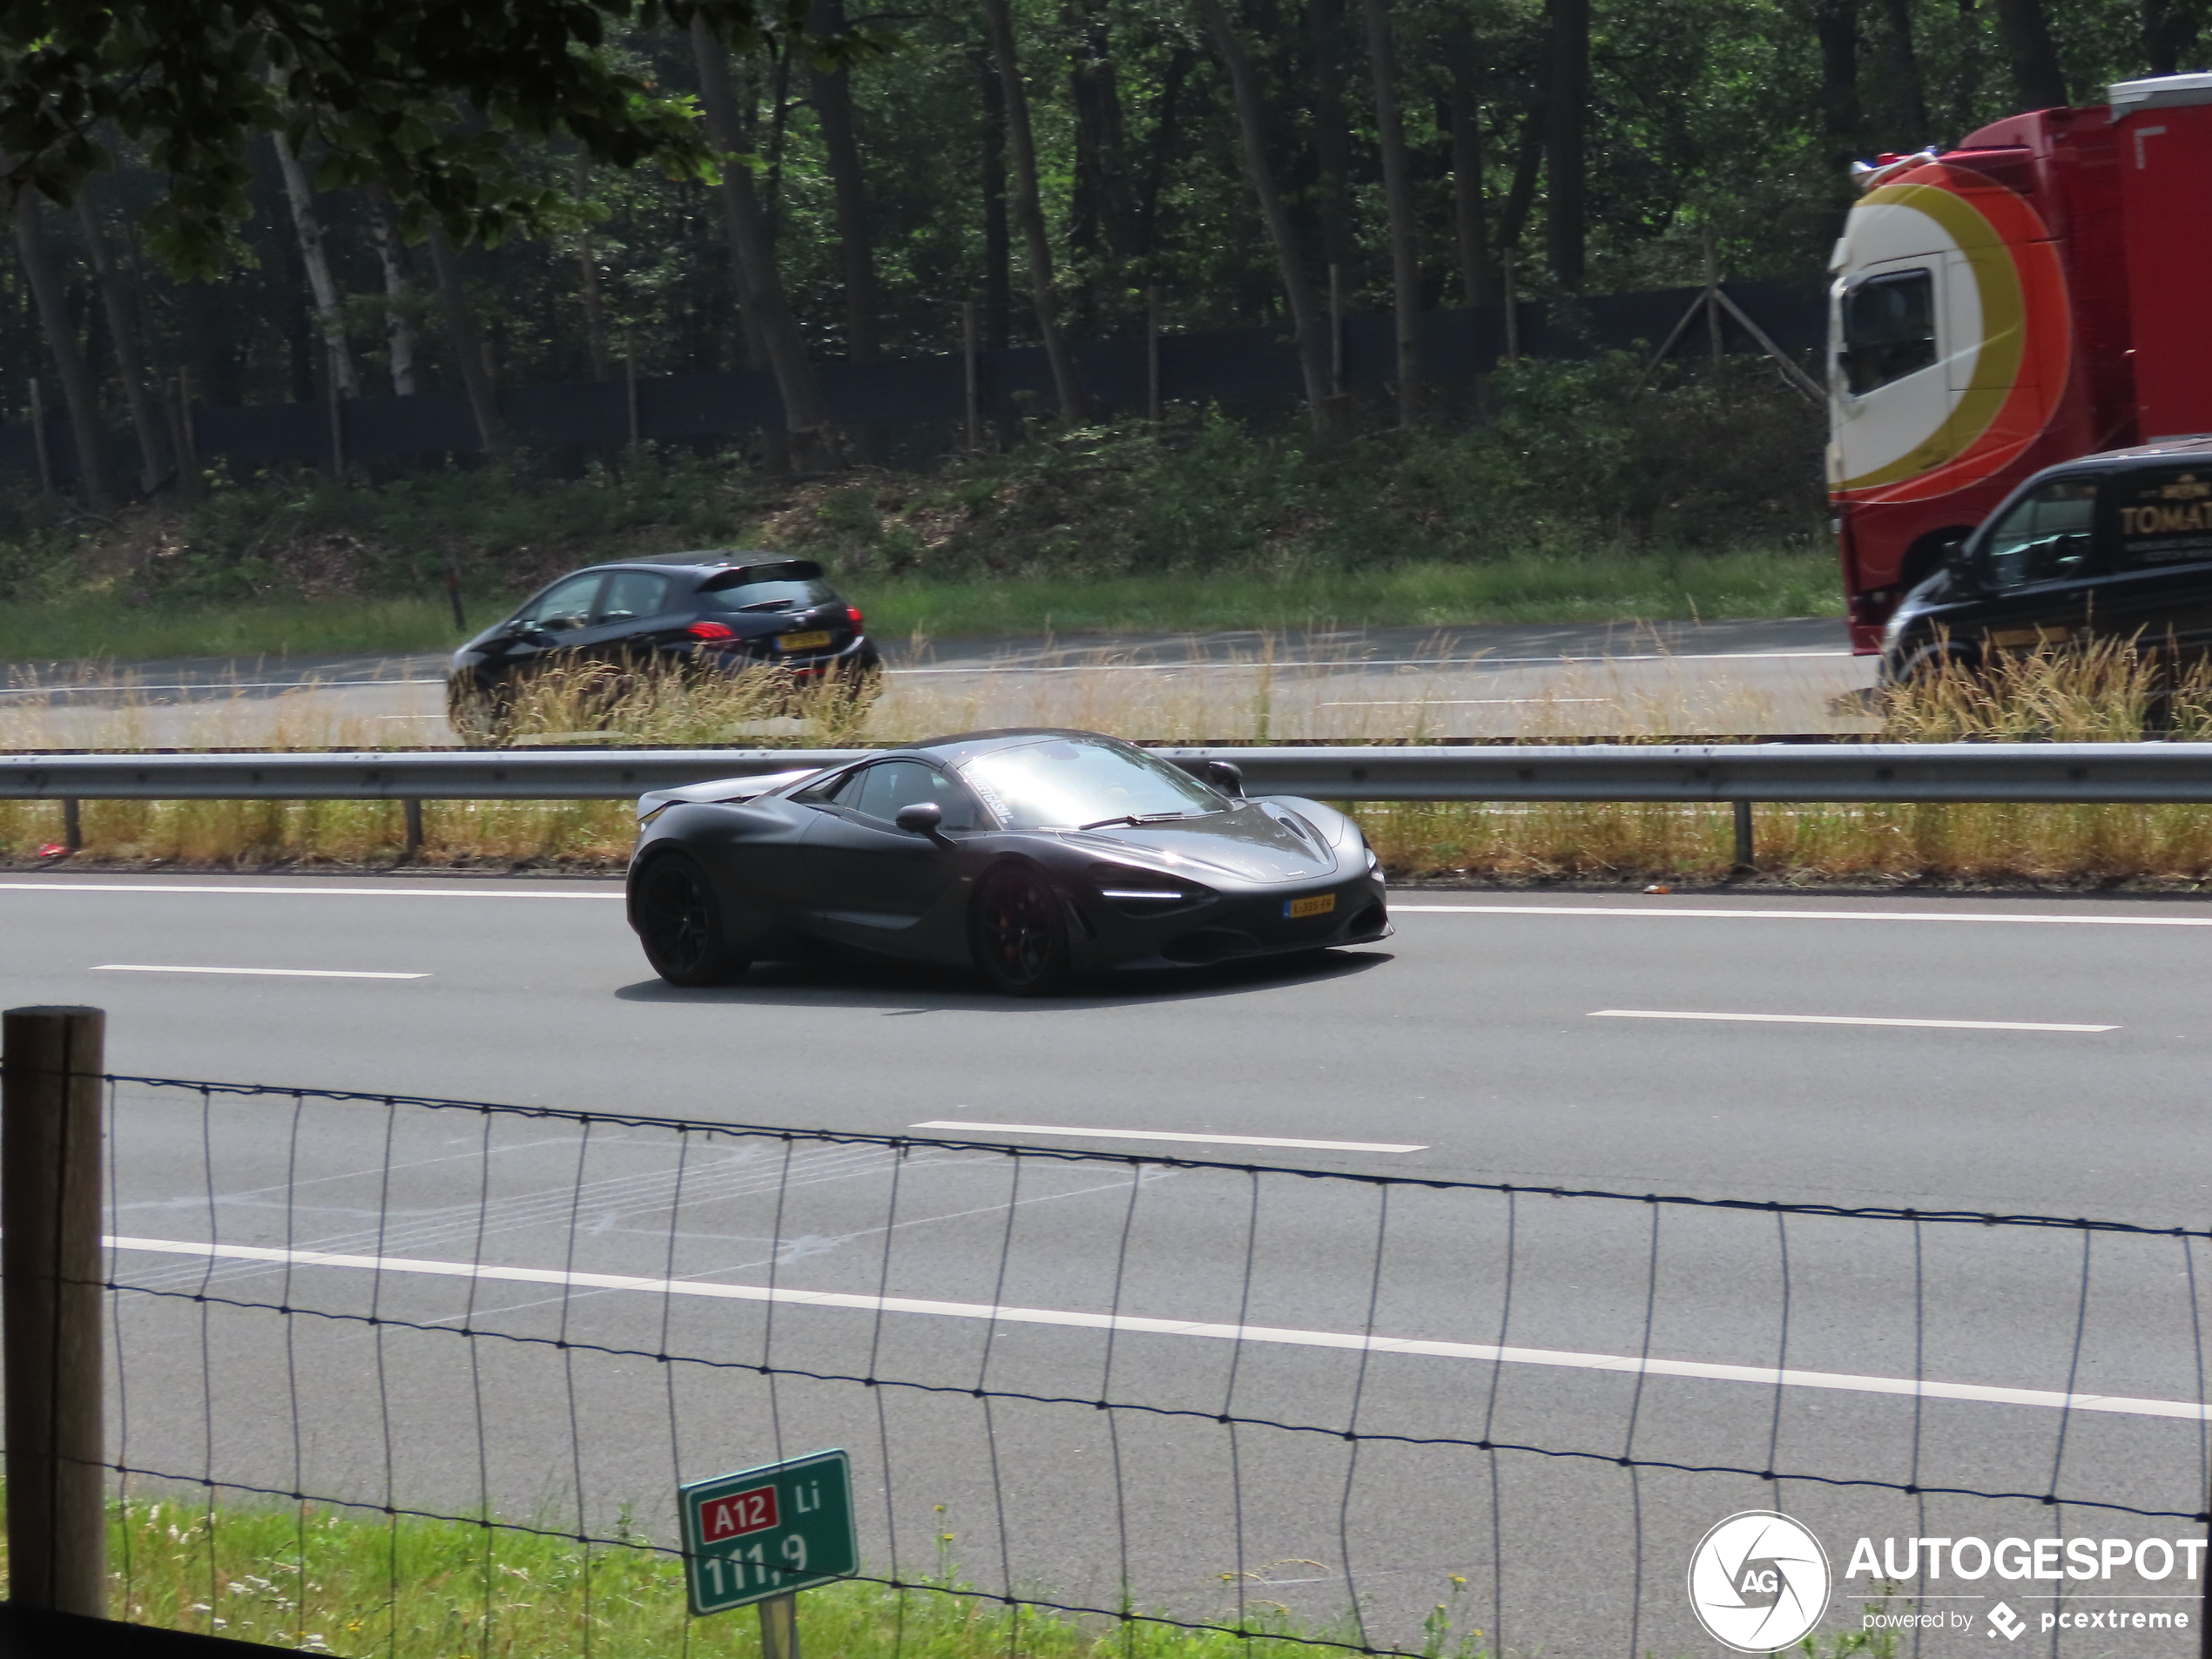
(2047, 1059)
(1586, 680)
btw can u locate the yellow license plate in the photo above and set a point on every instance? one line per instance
(814, 641)
(1319, 905)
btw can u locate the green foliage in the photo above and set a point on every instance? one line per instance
(382, 82)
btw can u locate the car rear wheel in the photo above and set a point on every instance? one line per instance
(1021, 933)
(679, 923)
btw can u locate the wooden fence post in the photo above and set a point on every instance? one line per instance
(51, 1297)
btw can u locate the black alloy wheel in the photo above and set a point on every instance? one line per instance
(1020, 934)
(679, 923)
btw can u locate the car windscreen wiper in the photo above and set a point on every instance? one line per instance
(1135, 818)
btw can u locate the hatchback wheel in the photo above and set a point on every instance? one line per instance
(1021, 933)
(679, 923)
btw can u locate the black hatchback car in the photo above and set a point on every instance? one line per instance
(717, 612)
(2112, 546)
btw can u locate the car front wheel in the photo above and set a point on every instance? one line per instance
(1021, 933)
(679, 923)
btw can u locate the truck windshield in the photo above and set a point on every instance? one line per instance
(1064, 782)
(1889, 329)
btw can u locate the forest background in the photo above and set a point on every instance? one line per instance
(1038, 171)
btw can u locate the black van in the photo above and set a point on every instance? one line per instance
(2117, 545)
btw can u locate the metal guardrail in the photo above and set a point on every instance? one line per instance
(2145, 772)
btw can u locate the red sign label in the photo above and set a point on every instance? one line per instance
(738, 1514)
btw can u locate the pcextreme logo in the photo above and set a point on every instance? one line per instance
(1758, 1582)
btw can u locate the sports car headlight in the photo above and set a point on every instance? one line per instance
(1144, 892)
(1374, 864)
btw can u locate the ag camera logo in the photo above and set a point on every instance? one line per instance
(1759, 1581)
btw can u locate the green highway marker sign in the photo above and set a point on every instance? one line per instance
(768, 1532)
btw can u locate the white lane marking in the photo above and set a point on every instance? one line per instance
(272, 973)
(316, 892)
(1170, 1135)
(1454, 702)
(1710, 912)
(1843, 1019)
(1766, 1376)
(1355, 664)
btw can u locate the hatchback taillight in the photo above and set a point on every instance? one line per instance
(853, 615)
(712, 633)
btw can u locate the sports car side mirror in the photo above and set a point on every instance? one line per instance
(923, 818)
(1226, 777)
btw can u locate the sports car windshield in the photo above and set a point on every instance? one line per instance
(1071, 783)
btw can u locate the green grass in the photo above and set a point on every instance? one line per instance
(1529, 589)
(104, 628)
(323, 1580)
(111, 628)
(332, 1581)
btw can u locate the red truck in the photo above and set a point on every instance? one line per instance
(2041, 292)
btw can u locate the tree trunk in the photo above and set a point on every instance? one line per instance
(1161, 149)
(833, 91)
(1251, 125)
(130, 368)
(309, 230)
(1397, 196)
(1029, 208)
(2027, 34)
(998, 241)
(1566, 120)
(1101, 223)
(1836, 25)
(69, 360)
(1478, 280)
(2170, 31)
(1903, 73)
(461, 328)
(1331, 130)
(399, 292)
(807, 416)
(1520, 194)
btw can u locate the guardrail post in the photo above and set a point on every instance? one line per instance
(414, 827)
(1743, 860)
(72, 824)
(49, 1307)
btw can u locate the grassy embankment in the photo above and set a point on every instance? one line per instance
(334, 1581)
(1584, 498)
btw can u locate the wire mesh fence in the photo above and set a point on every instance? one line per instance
(1145, 1397)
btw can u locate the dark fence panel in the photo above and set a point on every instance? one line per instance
(1235, 363)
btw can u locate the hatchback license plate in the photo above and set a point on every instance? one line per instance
(814, 641)
(1319, 905)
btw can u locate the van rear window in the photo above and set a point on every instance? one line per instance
(2163, 516)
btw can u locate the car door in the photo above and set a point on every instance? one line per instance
(2035, 566)
(878, 886)
(2156, 528)
(624, 616)
(553, 622)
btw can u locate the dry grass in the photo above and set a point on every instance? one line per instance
(2100, 694)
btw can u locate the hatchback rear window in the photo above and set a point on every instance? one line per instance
(794, 596)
